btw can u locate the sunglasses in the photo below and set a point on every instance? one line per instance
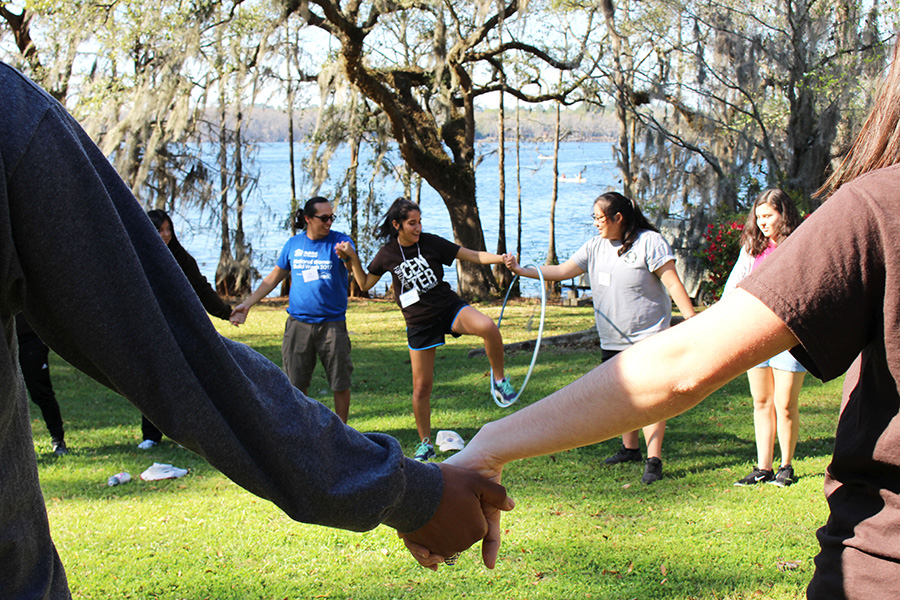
(325, 218)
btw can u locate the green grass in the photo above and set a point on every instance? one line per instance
(580, 529)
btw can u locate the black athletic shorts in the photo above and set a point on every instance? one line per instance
(432, 335)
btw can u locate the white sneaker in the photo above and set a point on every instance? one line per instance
(147, 444)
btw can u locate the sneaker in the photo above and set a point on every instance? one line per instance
(59, 447)
(784, 477)
(652, 470)
(424, 451)
(625, 455)
(503, 391)
(756, 476)
(147, 444)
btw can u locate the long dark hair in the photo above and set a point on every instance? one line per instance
(398, 211)
(613, 203)
(878, 143)
(752, 238)
(158, 217)
(308, 210)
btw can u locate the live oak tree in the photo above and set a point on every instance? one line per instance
(426, 83)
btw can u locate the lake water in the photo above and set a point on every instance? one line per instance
(268, 206)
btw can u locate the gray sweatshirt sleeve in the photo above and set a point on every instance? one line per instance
(80, 257)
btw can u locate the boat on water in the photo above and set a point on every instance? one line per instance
(577, 179)
(544, 157)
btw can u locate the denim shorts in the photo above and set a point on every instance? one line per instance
(783, 362)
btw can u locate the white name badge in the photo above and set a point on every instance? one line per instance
(408, 298)
(311, 274)
(604, 279)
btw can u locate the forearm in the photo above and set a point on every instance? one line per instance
(359, 274)
(483, 258)
(691, 361)
(682, 301)
(265, 288)
(669, 277)
(549, 272)
(529, 272)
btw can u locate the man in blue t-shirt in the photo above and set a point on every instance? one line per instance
(317, 307)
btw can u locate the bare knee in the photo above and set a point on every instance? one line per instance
(763, 403)
(422, 389)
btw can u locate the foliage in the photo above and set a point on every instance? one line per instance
(580, 530)
(709, 96)
(425, 64)
(719, 251)
(714, 93)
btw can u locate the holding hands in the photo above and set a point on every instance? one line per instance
(509, 259)
(469, 511)
(239, 314)
(344, 251)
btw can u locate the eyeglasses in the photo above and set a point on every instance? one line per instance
(601, 218)
(325, 218)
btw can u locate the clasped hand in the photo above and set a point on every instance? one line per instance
(469, 511)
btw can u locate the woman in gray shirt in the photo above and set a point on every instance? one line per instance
(633, 276)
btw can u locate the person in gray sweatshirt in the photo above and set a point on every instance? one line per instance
(80, 258)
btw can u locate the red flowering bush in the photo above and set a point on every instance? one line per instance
(718, 251)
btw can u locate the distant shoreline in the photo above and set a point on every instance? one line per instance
(536, 125)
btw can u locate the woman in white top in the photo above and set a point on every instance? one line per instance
(633, 283)
(774, 384)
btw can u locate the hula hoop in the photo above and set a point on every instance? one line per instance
(537, 345)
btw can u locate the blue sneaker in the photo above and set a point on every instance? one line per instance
(503, 391)
(424, 451)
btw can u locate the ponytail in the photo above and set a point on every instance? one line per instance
(613, 203)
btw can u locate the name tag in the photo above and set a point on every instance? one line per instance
(604, 279)
(311, 274)
(408, 298)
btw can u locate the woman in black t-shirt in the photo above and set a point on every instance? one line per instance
(431, 308)
(210, 300)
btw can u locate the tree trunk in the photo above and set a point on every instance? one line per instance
(356, 135)
(242, 269)
(286, 282)
(624, 150)
(225, 257)
(516, 288)
(552, 259)
(475, 281)
(502, 275)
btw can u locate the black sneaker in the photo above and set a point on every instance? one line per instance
(59, 447)
(784, 477)
(625, 455)
(757, 476)
(652, 470)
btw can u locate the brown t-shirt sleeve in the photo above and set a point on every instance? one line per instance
(826, 282)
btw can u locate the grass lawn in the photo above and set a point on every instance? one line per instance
(580, 529)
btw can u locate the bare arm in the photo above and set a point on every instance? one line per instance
(567, 270)
(365, 281)
(690, 362)
(239, 314)
(479, 257)
(669, 276)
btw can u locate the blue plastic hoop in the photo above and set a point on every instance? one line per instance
(537, 345)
